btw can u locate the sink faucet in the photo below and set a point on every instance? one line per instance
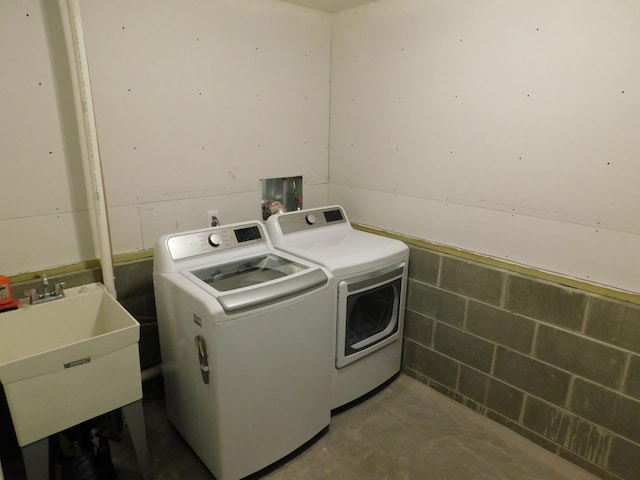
(46, 295)
(45, 285)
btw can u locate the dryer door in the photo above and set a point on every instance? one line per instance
(369, 313)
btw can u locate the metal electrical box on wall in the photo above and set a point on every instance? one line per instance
(282, 194)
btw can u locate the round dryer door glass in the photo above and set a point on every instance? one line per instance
(372, 316)
(247, 272)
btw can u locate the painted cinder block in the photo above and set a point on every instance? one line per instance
(504, 399)
(614, 322)
(606, 408)
(463, 347)
(532, 376)
(436, 303)
(431, 364)
(563, 307)
(577, 354)
(473, 384)
(472, 280)
(632, 382)
(624, 458)
(566, 362)
(418, 328)
(569, 431)
(500, 326)
(424, 265)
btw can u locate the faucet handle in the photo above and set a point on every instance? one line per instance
(60, 288)
(45, 279)
(33, 295)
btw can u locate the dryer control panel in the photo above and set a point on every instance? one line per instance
(213, 240)
(306, 219)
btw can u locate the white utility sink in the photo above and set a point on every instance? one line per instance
(67, 361)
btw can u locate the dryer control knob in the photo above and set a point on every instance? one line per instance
(215, 240)
(311, 219)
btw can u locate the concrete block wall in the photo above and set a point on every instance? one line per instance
(559, 365)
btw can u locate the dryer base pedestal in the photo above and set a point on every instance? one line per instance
(361, 377)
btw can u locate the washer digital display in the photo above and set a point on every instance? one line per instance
(247, 234)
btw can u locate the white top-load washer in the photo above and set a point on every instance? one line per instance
(246, 340)
(369, 280)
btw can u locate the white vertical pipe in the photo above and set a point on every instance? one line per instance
(87, 126)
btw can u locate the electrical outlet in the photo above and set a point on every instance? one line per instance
(212, 218)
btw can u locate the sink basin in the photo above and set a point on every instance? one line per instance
(68, 360)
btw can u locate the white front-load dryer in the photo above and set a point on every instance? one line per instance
(369, 280)
(246, 341)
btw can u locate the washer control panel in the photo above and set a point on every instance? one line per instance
(213, 240)
(306, 219)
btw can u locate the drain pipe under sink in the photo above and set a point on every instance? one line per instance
(72, 24)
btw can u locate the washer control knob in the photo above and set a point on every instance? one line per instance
(215, 240)
(311, 219)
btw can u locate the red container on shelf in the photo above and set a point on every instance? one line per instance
(7, 302)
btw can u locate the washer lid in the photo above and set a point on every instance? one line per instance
(257, 281)
(247, 272)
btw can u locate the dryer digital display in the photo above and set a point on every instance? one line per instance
(333, 215)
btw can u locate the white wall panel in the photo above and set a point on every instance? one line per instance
(34, 178)
(189, 214)
(207, 97)
(315, 195)
(30, 243)
(564, 248)
(124, 226)
(195, 101)
(507, 110)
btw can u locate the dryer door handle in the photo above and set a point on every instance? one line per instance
(201, 348)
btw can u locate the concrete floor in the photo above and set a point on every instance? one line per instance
(405, 431)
